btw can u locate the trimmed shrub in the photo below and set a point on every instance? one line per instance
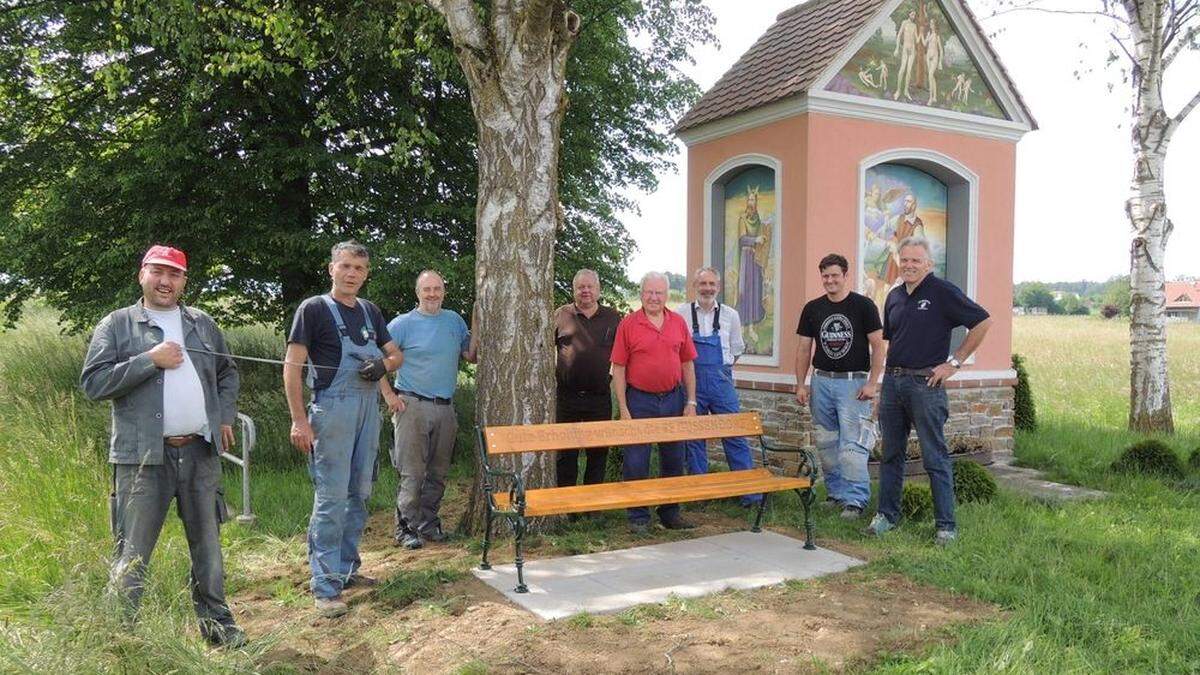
(916, 501)
(973, 483)
(1024, 414)
(1150, 456)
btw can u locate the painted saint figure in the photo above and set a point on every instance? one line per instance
(752, 258)
(908, 224)
(906, 48)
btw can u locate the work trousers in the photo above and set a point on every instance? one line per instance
(906, 402)
(142, 494)
(582, 408)
(670, 455)
(845, 436)
(424, 446)
(342, 467)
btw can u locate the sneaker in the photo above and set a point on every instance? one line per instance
(409, 540)
(879, 525)
(331, 608)
(851, 512)
(357, 580)
(639, 528)
(945, 537)
(678, 524)
(224, 636)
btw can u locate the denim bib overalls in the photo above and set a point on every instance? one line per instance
(345, 420)
(714, 395)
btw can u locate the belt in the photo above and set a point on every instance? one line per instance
(582, 394)
(435, 399)
(915, 372)
(659, 394)
(180, 441)
(848, 375)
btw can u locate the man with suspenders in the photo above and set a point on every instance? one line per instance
(344, 340)
(717, 334)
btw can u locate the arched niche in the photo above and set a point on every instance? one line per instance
(742, 239)
(946, 196)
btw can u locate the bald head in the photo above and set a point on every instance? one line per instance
(431, 291)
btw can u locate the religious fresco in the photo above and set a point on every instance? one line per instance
(918, 58)
(751, 235)
(898, 201)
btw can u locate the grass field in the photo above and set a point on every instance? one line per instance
(1111, 586)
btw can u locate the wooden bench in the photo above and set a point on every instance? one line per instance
(516, 503)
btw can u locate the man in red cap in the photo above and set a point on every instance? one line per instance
(173, 414)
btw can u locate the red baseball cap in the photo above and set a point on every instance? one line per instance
(165, 255)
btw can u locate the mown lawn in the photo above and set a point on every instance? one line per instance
(1111, 586)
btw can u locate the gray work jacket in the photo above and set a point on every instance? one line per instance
(118, 368)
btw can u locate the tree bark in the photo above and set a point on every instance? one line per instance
(516, 72)
(1149, 387)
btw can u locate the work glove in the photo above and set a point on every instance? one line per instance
(372, 369)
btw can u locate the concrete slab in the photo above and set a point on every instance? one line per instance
(615, 580)
(1033, 484)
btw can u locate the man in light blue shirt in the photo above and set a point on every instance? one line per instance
(432, 339)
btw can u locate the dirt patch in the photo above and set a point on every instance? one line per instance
(822, 625)
(825, 624)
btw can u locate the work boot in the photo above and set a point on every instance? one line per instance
(409, 540)
(436, 535)
(226, 636)
(357, 580)
(678, 523)
(331, 608)
(851, 512)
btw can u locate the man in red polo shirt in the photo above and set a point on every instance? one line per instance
(653, 376)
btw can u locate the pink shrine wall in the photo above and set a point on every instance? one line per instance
(820, 157)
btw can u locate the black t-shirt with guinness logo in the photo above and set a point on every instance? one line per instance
(840, 330)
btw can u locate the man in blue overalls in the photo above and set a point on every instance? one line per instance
(344, 339)
(717, 332)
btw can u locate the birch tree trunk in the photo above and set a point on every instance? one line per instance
(515, 65)
(1149, 387)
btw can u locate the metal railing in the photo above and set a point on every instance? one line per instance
(249, 435)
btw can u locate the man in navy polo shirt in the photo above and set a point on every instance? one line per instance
(918, 319)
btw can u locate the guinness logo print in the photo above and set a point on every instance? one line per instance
(837, 334)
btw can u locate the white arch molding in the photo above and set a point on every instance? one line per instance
(949, 171)
(751, 159)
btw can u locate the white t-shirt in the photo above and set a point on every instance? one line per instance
(183, 395)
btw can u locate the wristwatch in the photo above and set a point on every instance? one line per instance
(954, 362)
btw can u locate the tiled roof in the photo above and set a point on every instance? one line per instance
(1183, 294)
(786, 60)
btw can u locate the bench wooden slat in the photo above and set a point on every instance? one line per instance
(569, 436)
(652, 492)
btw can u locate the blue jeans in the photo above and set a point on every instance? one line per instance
(845, 434)
(715, 395)
(907, 402)
(636, 464)
(342, 468)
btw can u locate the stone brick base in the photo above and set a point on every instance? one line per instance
(983, 411)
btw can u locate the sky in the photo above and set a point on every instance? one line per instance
(1073, 173)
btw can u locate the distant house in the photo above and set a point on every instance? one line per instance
(1183, 301)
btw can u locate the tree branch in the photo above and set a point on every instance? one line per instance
(465, 28)
(1185, 41)
(1187, 109)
